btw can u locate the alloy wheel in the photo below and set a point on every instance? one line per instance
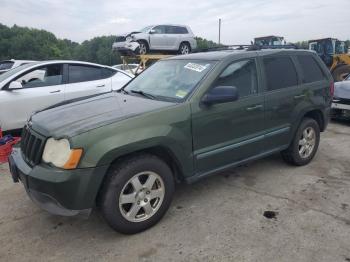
(142, 196)
(307, 142)
(184, 49)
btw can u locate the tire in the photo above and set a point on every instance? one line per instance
(143, 49)
(184, 49)
(293, 154)
(341, 72)
(130, 216)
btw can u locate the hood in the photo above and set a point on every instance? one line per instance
(79, 117)
(128, 34)
(342, 89)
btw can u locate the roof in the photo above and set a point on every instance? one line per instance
(224, 54)
(327, 38)
(267, 37)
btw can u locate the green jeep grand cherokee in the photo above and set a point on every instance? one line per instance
(184, 118)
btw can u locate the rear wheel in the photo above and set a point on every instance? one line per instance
(184, 49)
(304, 145)
(341, 72)
(136, 194)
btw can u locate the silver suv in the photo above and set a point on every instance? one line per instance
(157, 37)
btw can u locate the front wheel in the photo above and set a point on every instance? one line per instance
(136, 194)
(305, 143)
(143, 48)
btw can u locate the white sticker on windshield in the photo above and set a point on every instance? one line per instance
(196, 67)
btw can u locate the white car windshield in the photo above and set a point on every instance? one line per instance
(170, 80)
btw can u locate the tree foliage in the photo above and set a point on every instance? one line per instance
(33, 44)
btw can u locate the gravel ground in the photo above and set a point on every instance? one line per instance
(264, 211)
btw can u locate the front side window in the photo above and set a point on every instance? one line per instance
(160, 29)
(171, 80)
(279, 72)
(311, 70)
(49, 75)
(83, 73)
(242, 75)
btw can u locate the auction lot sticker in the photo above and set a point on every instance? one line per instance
(196, 67)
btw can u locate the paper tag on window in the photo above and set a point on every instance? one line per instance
(181, 93)
(196, 67)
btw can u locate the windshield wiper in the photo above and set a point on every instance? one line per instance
(143, 94)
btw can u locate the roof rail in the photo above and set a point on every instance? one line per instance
(245, 47)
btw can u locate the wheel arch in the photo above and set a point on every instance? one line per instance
(318, 116)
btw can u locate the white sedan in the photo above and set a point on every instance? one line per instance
(35, 86)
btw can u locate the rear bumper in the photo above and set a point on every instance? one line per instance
(60, 192)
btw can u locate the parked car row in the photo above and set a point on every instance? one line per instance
(184, 118)
(35, 86)
(166, 37)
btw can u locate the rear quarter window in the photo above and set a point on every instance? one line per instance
(279, 72)
(310, 68)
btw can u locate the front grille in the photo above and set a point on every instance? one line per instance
(342, 101)
(120, 39)
(32, 146)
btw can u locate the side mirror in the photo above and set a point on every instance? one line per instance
(15, 85)
(220, 94)
(152, 31)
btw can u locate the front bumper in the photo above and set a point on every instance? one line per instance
(60, 192)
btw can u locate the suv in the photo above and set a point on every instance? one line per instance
(158, 37)
(182, 119)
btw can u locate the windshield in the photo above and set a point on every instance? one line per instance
(146, 29)
(6, 65)
(11, 72)
(171, 80)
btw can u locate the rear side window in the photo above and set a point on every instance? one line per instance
(82, 73)
(279, 72)
(176, 30)
(181, 30)
(311, 70)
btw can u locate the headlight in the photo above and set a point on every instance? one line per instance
(59, 153)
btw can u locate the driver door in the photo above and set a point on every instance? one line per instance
(41, 87)
(230, 132)
(158, 39)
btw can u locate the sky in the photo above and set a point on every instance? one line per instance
(242, 20)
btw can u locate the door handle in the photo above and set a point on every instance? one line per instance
(101, 85)
(299, 96)
(56, 91)
(253, 108)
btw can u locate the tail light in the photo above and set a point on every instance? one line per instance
(331, 89)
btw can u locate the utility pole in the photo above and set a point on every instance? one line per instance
(219, 31)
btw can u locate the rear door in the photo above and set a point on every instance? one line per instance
(282, 93)
(173, 37)
(41, 87)
(85, 80)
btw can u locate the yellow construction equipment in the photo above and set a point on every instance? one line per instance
(334, 54)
